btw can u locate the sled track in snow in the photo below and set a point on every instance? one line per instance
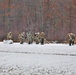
(39, 53)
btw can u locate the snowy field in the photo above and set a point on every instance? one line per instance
(48, 59)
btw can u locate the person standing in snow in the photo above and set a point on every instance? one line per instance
(9, 36)
(37, 37)
(71, 38)
(42, 37)
(21, 37)
(30, 37)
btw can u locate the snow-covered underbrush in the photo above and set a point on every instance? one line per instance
(36, 70)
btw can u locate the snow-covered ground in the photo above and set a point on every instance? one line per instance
(47, 59)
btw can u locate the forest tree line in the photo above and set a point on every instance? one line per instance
(54, 17)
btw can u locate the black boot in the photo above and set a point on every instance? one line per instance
(42, 41)
(70, 43)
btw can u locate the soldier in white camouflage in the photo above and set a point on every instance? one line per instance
(30, 37)
(71, 37)
(21, 37)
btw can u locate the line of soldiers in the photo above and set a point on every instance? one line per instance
(37, 37)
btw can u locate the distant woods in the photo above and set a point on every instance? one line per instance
(54, 17)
